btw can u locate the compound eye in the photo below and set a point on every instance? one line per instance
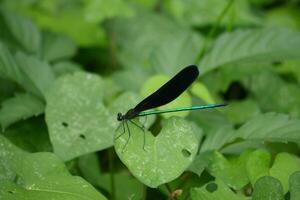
(119, 118)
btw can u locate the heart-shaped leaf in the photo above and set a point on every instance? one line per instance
(164, 157)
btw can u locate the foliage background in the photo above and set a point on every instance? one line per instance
(67, 67)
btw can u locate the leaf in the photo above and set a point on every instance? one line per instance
(200, 90)
(217, 138)
(201, 162)
(65, 67)
(165, 156)
(19, 33)
(283, 16)
(290, 68)
(210, 120)
(32, 74)
(21, 106)
(258, 165)
(125, 81)
(40, 176)
(248, 107)
(77, 120)
(138, 38)
(126, 186)
(269, 188)
(252, 46)
(284, 165)
(273, 86)
(294, 183)
(10, 70)
(204, 13)
(230, 170)
(97, 10)
(30, 135)
(271, 127)
(38, 72)
(56, 47)
(215, 190)
(176, 52)
(69, 20)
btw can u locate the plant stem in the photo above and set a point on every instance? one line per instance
(170, 191)
(144, 192)
(112, 175)
(213, 30)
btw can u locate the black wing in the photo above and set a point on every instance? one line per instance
(170, 90)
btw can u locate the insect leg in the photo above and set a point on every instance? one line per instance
(118, 129)
(143, 129)
(129, 135)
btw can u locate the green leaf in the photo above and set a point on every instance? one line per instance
(283, 16)
(294, 183)
(165, 156)
(155, 82)
(125, 81)
(252, 46)
(78, 121)
(230, 170)
(126, 186)
(97, 10)
(258, 165)
(10, 70)
(272, 86)
(217, 138)
(19, 33)
(152, 42)
(29, 72)
(284, 165)
(38, 72)
(176, 52)
(215, 190)
(267, 188)
(204, 13)
(21, 106)
(56, 47)
(239, 112)
(201, 162)
(66, 18)
(200, 90)
(65, 67)
(39, 176)
(290, 68)
(272, 127)
(30, 135)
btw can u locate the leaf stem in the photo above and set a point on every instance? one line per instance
(144, 192)
(213, 30)
(170, 192)
(111, 170)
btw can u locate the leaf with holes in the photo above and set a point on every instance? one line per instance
(215, 190)
(165, 157)
(78, 121)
